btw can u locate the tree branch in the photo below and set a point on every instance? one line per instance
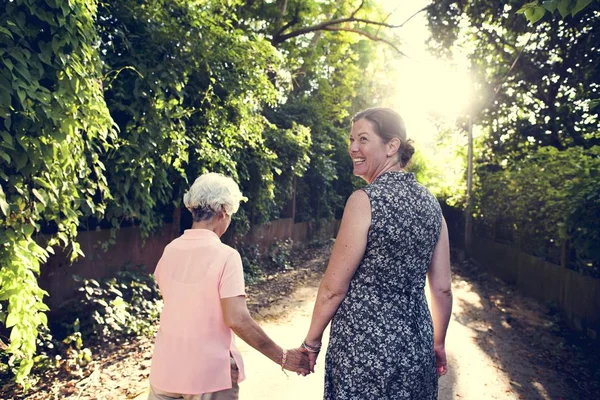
(279, 37)
(499, 86)
(388, 17)
(362, 3)
(283, 8)
(427, 7)
(295, 19)
(367, 35)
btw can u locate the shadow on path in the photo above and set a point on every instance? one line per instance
(525, 340)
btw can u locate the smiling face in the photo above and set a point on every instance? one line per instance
(370, 155)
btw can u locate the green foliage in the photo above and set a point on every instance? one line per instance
(268, 179)
(331, 78)
(536, 165)
(441, 167)
(252, 262)
(55, 128)
(127, 304)
(535, 10)
(546, 97)
(189, 101)
(548, 198)
(278, 255)
(77, 356)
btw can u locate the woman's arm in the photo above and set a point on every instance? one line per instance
(237, 317)
(440, 286)
(347, 253)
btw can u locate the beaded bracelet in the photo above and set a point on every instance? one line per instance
(283, 360)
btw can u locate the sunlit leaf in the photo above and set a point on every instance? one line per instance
(12, 320)
(15, 334)
(4, 207)
(38, 195)
(537, 14)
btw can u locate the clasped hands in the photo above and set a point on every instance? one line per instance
(302, 360)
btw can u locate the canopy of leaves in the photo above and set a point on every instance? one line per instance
(537, 107)
(186, 87)
(544, 98)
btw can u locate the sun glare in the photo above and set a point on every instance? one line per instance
(428, 93)
(434, 88)
(426, 88)
(444, 89)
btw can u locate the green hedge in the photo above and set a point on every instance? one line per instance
(544, 200)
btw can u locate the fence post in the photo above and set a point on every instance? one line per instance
(564, 259)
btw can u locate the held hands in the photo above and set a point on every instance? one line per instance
(301, 360)
(296, 360)
(312, 348)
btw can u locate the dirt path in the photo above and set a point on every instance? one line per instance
(501, 345)
(473, 373)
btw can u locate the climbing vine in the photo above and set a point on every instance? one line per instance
(55, 127)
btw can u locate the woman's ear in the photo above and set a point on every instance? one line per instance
(393, 147)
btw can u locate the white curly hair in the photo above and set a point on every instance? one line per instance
(211, 193)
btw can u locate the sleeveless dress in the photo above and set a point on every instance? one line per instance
(381, 340)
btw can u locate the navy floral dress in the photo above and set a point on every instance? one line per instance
(381, 341)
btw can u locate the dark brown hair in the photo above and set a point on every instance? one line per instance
(388, 125)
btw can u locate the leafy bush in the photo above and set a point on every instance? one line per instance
(54, 128)
(127, 305)
(256, 262)
(549, 198)
(279, 254)
(77, 356)
(251, 261)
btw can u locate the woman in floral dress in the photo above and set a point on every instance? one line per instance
(384, 342)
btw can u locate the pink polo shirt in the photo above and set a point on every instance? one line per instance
(192, 347)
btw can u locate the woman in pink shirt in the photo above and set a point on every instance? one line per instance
(202, 284)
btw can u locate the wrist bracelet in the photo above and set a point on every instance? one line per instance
(311, 349)
(283, 359)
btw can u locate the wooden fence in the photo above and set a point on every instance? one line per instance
(301, 233)
(57, 274)
(576, 295)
